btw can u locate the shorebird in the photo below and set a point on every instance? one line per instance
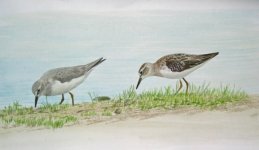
(62, 80)
(174, 66)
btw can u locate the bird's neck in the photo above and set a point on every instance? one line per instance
(155, 68)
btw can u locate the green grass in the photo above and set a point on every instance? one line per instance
(202, 97)
(17, 115)
(106, 113)
(49, 121)
(89, 113)
(56, 116)
(53, 107)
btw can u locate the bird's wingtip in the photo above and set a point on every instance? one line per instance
(102, 59)
(213, 54)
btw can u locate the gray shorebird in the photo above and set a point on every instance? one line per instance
(174, 66)
(62, 80)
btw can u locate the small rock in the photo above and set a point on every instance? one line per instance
(101, 98)
(118, 111)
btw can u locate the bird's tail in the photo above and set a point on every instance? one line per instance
(211, 55)
(206, 57)
(95, 63)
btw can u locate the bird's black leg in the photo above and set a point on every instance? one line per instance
(62, 99)
(72, 97)
(187, 85)
(181, 85)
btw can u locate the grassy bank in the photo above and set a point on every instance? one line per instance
(56, 116)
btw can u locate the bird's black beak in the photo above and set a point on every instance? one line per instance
(36, 100)
(139, 80)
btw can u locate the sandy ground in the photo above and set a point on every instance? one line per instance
(235, 128)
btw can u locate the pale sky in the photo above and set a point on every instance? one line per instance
(27, 6)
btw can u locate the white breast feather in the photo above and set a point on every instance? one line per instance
(60, 88)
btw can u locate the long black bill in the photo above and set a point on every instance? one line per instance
(139, 80)
(36, 100)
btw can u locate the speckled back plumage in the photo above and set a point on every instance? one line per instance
(181, 62)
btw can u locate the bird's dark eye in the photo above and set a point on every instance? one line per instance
(141, 72)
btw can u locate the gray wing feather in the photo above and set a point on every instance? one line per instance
(66, 74)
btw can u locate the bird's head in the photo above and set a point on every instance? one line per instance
(37, 89)
(145, 70)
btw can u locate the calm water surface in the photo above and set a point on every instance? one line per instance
(30, 44)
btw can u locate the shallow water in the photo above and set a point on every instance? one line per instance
(33, 43)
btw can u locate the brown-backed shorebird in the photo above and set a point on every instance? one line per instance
(174, 66)
(62, 80)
